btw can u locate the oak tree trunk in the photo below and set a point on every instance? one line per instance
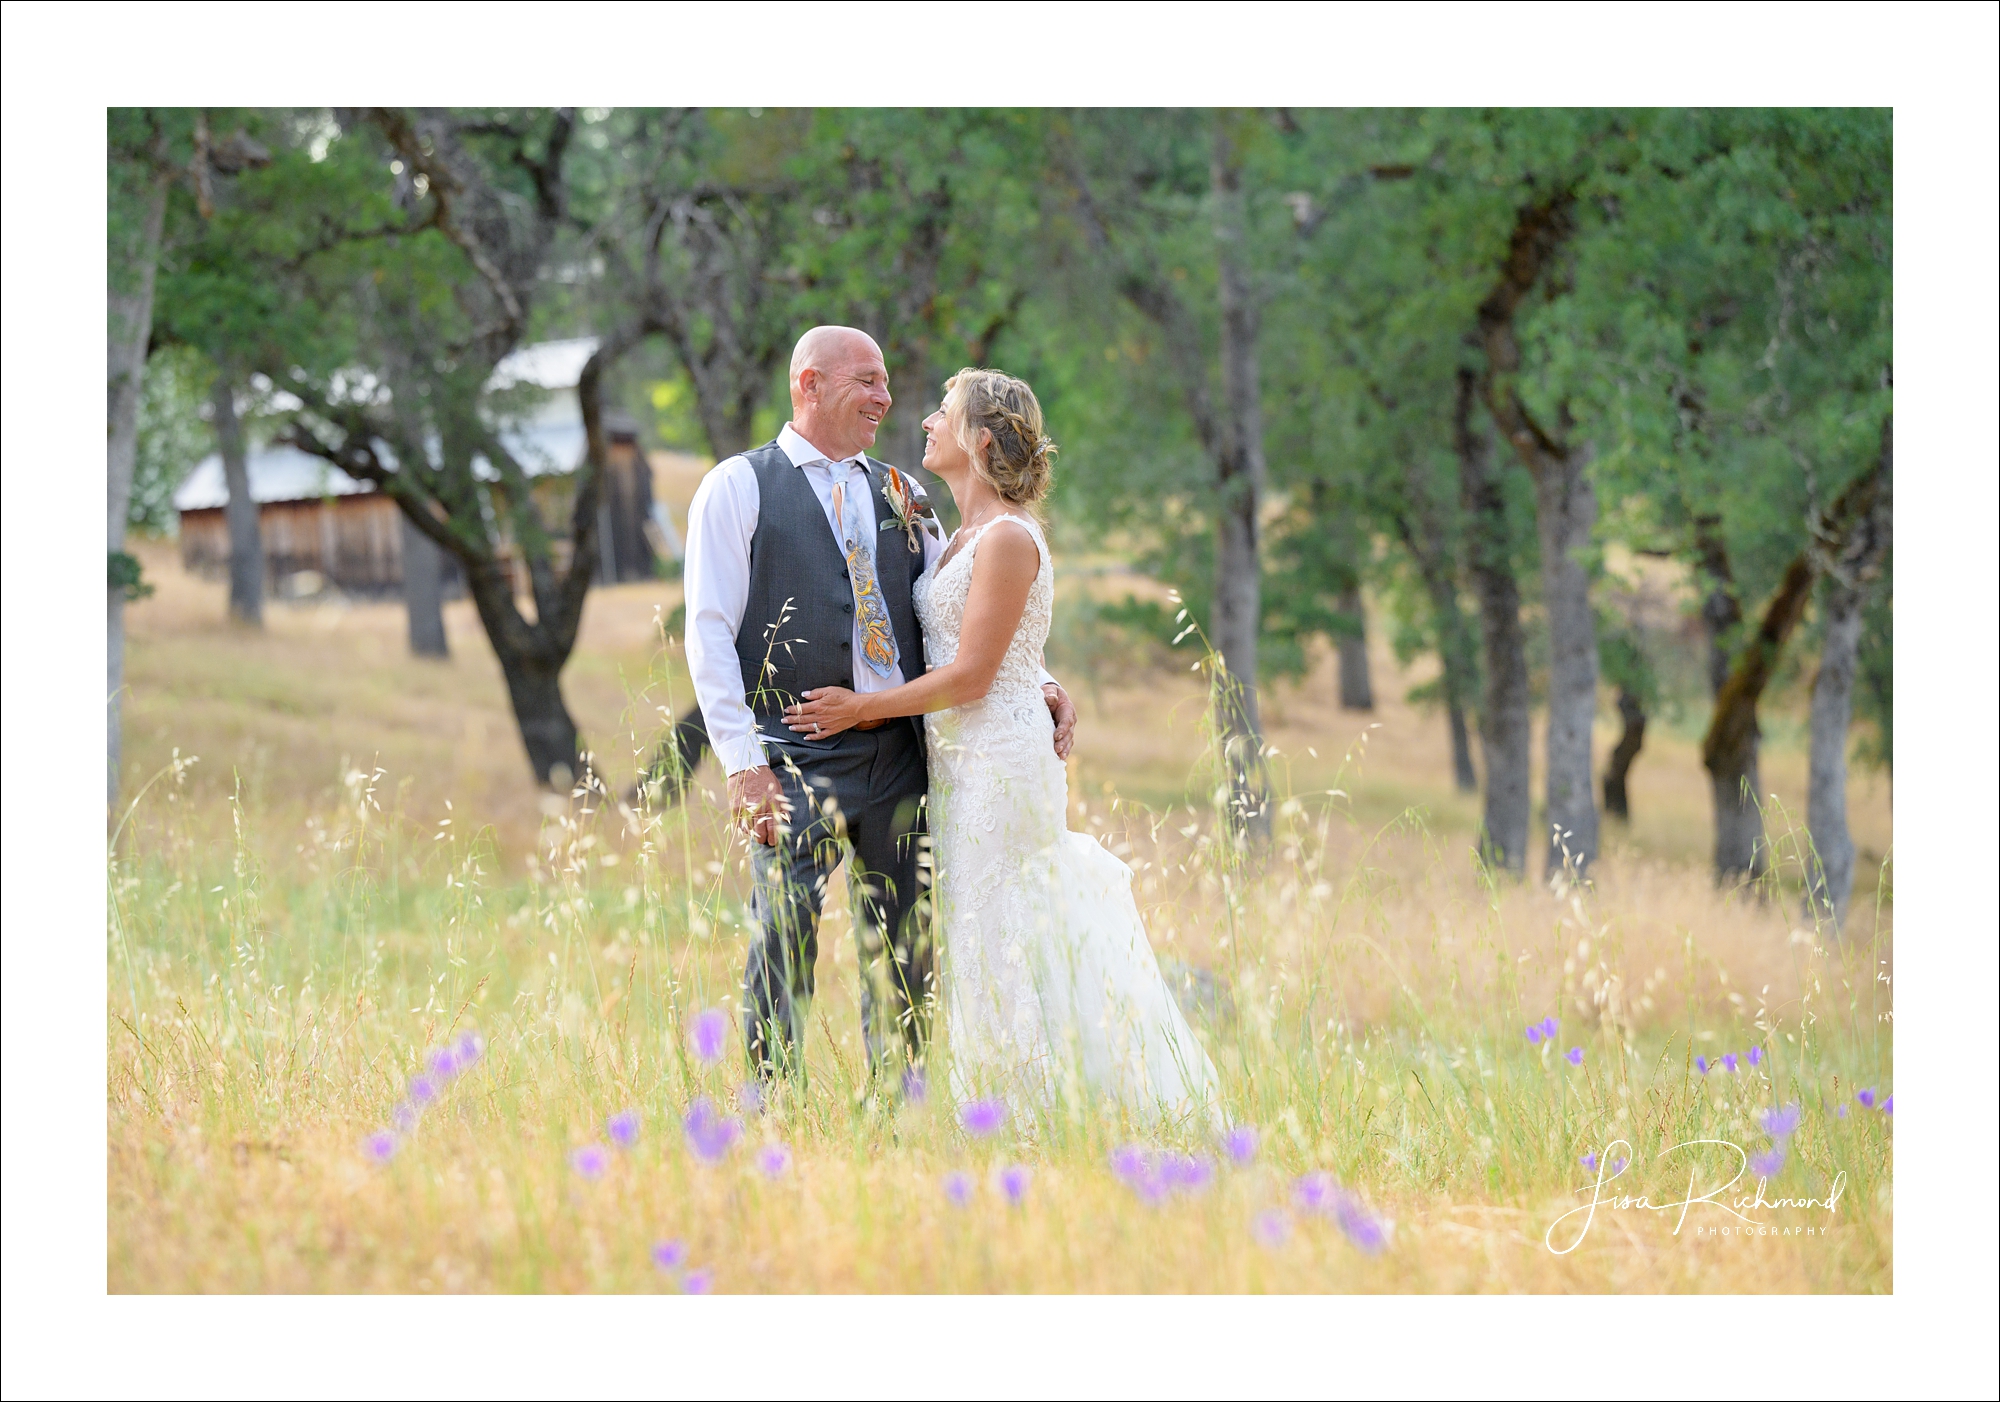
(1503, 714)
(1830, 874)
(1830, 870)
(1565, 514)
(246, 540)
(133, 267)
(1721, 610)
(1729, 749)
(678, 756)
(423, 592)
(1238, 609)
(1739, 831)
(1632, 715)
(533, 679)
(1356, 692)
(1423, 531)
(1463, 776)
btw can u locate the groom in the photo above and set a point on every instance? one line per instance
(801, 556)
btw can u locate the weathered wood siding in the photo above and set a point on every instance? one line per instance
(354, 542)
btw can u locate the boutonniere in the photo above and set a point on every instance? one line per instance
(912, 511)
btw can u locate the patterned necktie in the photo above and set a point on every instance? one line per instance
(857, 543)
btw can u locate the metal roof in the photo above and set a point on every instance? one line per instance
(547, 441)
(277, 473)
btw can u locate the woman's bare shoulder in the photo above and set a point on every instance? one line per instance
(1008, 552)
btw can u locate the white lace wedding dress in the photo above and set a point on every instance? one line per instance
(1051, 991)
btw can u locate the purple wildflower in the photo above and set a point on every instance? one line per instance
(1756, 1056)
(751, 1098)
(1186, 1174)
(1144, 1172)
(1840, 1112)
(1589, 1161)
(1780, 1123)
(469, 1048)
(444, 1063)
(697, 1282)
(1768, 1163)
(1314, 1192)
(773, 1160)
(1013, 1182)
(590, 1161)
(1574, 1056)
(707, 1034)
(1729, 1062)
(1128, 1161)
(1358, 1224)
(623, 1128)
(958, 1188)
(1272, 1228)
(1867, 1099)
(404, 1116)
(915, 1086)
(1618, 1165)
(668, 1255)
(380, 1146)
(1701, 1064)
(1549, 1026)
(982, 1117)
(1889, 1106)
(1241, 1145)
(1534, 1034)
(709, 1134)
(423, 1089)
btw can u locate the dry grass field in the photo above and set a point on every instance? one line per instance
(353, 874)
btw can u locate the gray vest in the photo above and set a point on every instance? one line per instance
(798, 622)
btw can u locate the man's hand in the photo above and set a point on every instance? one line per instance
(758, 802)
(1064, 713)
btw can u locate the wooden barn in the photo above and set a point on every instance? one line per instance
(324, 530)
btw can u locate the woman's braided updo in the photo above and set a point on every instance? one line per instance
(1016, 463)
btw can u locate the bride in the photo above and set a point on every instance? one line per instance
(1051, 991)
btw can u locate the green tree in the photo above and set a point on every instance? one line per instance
(471, 218)
(1169, 216)
(163, 164)
(172, 435)
(1732, 346)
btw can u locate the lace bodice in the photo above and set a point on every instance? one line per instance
(940, 597)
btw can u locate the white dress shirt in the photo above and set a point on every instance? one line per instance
(721, 520)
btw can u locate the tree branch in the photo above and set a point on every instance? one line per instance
(564, 609)
(1853, 516)
(1540, 230)
(446, 186)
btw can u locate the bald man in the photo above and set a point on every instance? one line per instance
(794, 582)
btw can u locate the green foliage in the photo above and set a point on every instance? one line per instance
(675, 423)
(1715, 326)
(173, 436)
(127, 575)
(1622, 661)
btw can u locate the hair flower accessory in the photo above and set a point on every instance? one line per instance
(910, 508)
